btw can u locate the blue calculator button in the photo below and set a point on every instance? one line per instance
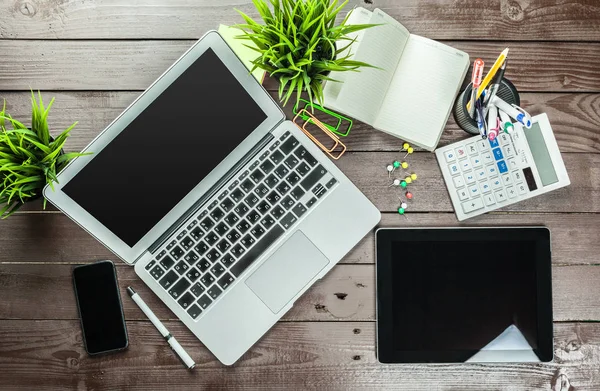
(498, 153)
(493, 143)
(502, 167)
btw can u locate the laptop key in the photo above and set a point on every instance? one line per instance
(186, 300)
(288, 220)
(267, 166)
(267, 221)
(297, 193)
(312, 178)
(207, 279)
(157, 272)
(214, 292)
(243, 226)
(283, 188)
(221, 229)
(261, 190)
(247, 185)
(172, 244)
(180, 287)
(253, 217)
(169, 279)
(213, 204)
(277, 212)
(227, 260)
(150, 265)
(223, 195)
(207, 224)
(263, 207)
(181, 234)
(257, 231)
(284, 136)
(191, 257)
(194, 311)
(233, 236)
(217, 270)
(211, 238)
(331, 182)
(181, 267)
(309, 159)
(300, 152)
(233, 185)
(238, 250)
(187, 243)
(213, 255)
(204, 301)
(281, 171)
(197, 233)
(223, 245)
(193, 274)
(311, 202)
(293, 178)
(303, 169)
(299, 210)
(177, 252)
(288, 202)
(192, 225)
(167, 262)
(197, 289)
(255, 252)
(273, 197)
(257, 176)
(227, 204)
(251, 200)
(291, 162)
(201, 248)
(276, 157)
(289, 145)
(247, 241)
(231, 219)
(217, 214)
(237, 195)
(225, 281)
(241, 209)
(161, 254)
(271, 181)
(203, 265)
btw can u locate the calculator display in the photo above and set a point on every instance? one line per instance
(540, 154)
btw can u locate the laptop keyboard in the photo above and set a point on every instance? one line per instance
(241, 223)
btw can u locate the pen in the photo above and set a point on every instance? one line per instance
(506, 124)
(496, 84)
(480, 119)
(475, 82)
(187, 360)
(513, 111)
(490, 74)
(493, 123)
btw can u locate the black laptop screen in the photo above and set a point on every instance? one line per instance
(167, 150)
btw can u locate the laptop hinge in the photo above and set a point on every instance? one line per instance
(210, 193)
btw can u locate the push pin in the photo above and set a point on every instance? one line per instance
(402, 211)
(413, 176)
(408, 152)
(408, 180)
(409, 195)
(403, 184)
(390, 169)
(396, 182)
(404, 165)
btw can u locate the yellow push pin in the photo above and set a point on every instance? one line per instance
(404, 165)
(409, 151)
(408, 180)
(405, 146)
(413, 177)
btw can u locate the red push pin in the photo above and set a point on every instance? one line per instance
(409, 195)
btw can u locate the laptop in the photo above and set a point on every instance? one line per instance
(227, 211)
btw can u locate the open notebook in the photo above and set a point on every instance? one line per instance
(412, 95)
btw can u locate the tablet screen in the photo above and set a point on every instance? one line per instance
(453, 295)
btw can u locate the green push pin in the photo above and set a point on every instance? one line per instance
(401, 211)
(403, 184)
(396, 164)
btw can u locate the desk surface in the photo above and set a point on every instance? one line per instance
(97, 56)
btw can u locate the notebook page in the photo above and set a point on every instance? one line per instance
(362, 93)
(422, 91)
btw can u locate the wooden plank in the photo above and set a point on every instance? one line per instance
(547, 20)
(134, 65)
(347, 293)
(575, 118)
(302, 356)
(54, 238)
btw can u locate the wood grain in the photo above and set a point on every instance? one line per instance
(548, 20)
(347, 293)
(134, 65)
(54, 238)
(575, 118)
(294, 356)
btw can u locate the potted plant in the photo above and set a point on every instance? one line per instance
(30, 158)
(297, 44)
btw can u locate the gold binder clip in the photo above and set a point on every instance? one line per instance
(336, 150)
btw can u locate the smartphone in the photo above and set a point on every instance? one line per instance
(100, 308)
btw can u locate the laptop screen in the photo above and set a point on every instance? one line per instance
(167, 150)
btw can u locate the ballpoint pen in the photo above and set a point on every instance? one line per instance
(493, 123)
(475, 82)
(481, 125)
(187, 360)
(490, 74)
(496, 83)
(513, 111)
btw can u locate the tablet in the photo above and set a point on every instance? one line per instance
(464, 295)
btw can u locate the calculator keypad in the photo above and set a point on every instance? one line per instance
(485, 173)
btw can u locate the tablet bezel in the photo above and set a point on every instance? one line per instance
(386, 353)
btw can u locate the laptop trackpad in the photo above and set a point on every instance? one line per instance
(287, 271)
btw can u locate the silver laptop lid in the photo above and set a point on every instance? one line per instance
(167, 149)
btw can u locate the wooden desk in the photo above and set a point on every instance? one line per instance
(97, 56)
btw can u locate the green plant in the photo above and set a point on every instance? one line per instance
(29, 157)
(297, 44)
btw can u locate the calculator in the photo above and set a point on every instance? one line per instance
(483, 175)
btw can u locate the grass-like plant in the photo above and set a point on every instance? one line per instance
(297, 44)
(30, 158)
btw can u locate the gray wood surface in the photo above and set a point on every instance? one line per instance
(97, 56)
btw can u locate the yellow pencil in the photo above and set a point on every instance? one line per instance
(490, 75)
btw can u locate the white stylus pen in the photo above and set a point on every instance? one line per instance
(187, 360)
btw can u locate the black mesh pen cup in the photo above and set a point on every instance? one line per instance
(507, 92)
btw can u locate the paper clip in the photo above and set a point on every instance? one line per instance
(338, 119)
(338, 148)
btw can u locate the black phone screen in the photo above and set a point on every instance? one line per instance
(100, 307)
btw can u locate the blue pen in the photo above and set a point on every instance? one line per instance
(513, 111)
(480, 118)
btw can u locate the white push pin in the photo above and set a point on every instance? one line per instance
(390, 169)
(395, 183)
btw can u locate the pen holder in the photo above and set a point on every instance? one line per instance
(507, 92)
